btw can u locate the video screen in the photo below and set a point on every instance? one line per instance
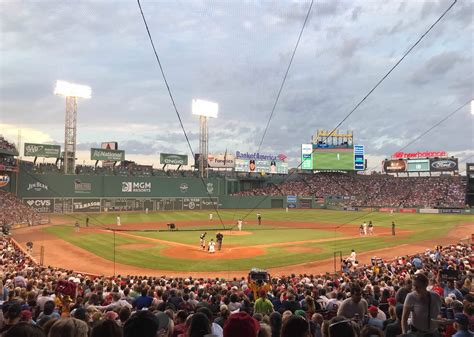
(333, 159)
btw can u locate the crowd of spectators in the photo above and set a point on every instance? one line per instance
(13, 211)
(374, 190)
(6, 145)
(384, 299)
(8, 161)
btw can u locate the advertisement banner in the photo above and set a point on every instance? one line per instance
(418, 165)
(291, 198)
(394, 166)
(306, 156)
(191, 203)
(221, 160)
(209, 203)
(429, 211)
(443, 164)
(110, 155)
(86, 205)
(359, 157)
(40, 205)
(4, 180)
(266, 166)
(173, 159)
(407, 210)
(420, 154)
(42, 150)
(82, 187)
(456, 211)
(387, 210)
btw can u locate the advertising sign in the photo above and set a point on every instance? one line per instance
(407, 210)
(306, 156)
(291, 198)
(41, 205)
(191, 203)
(443, 164)
(173, 159)
(359, 160)
(420, 154)
(104, 154)
(393, 166)
(221, 160)
(418, 165)
(4, 180)
(82, 187)
(42, 150)
(266, 166)
(86, 205)
(136, 187)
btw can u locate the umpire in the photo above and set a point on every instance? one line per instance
(219, 237)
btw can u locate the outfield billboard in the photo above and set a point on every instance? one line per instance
(105, 154)
(265, 166)
(306, 156)
(418, 165)
(42, 150)
(443, 164)
(395, 166)
(221, 160)
(173, 159)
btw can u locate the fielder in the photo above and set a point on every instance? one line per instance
(118, 220)
(212, 248)
(202, 240)
(364, 227)
(77, 226)
(210, 216)
(371, 228)
(239, 224)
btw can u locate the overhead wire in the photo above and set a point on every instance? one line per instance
(372, 89)
(176, 108)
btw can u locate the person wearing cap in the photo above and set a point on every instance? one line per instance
(373, 320)
(263, 305)
(461, 323)
(241, 324)
(423, 305)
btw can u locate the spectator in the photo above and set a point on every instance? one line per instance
(69, 327)
(263, 304)
(200, 326)
(24, 329)
(241, 325)
(423, 305)
(355, 305)
(107, 328)
(295, 326)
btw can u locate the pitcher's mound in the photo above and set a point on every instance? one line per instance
(183, 252)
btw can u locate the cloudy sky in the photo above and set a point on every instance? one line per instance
(236, 53)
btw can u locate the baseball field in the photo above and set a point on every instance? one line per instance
(295, 241)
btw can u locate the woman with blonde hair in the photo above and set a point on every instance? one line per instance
(69, 327)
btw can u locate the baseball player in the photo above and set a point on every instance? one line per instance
(393, 228)
(212, 248)
(118, 220)
(239, 224)
(361, 230)
(364, 227)
(202, 239)
(371, 228)
(259, 218)
(77, 226)
(210, 216)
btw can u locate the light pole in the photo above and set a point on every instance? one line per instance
(205, 110)
(72, 92)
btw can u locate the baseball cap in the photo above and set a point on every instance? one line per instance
(392, 300)
(461, 319)
(241, 324)
(373, 308)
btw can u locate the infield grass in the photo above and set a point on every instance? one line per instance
(286, 228)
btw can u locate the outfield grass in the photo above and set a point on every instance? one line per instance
(423, 227)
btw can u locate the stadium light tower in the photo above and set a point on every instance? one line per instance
(72, 92)
(204, 110)
(472, 107)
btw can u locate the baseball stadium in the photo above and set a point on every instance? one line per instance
(125, 222)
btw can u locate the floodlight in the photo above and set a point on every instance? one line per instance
(67, 89)
(205, 108)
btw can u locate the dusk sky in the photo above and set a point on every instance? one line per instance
(235, 53)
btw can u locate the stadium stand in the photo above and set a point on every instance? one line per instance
(374, 190)
(364, 299)
(7, 146)
(13, 211)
